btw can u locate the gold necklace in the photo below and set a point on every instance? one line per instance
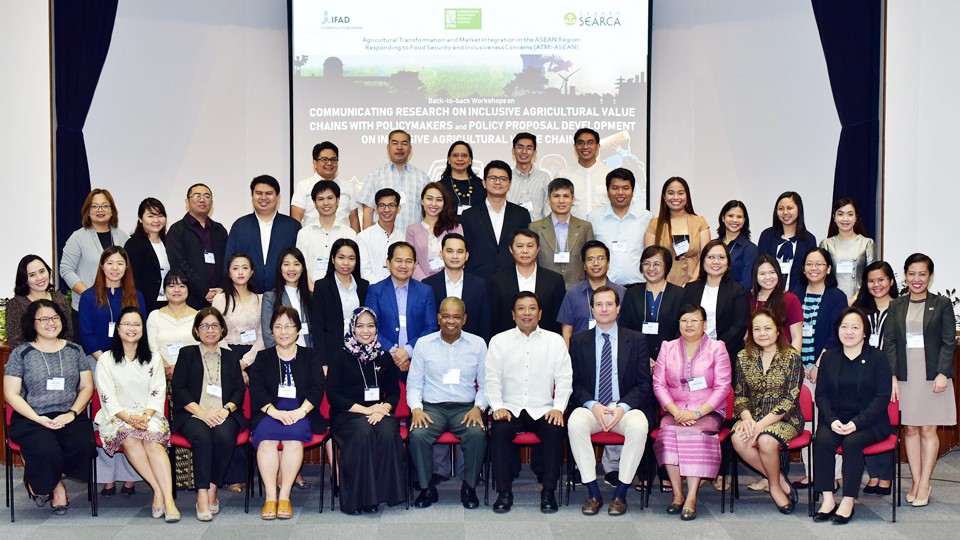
(461, 196)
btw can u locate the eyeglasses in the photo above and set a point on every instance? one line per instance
(691, 321)
(815, 265)
(391, 206)
(328, 160)
(649, 264)
(209, 326)
(202, 196)
(585, 143)
(104, 206)
(283, 328)
(498, 179)
(597, 259)
(48, 320)
(131, 324)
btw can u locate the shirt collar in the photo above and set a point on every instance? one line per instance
(557, 222)
(267, 222)
(399, 287)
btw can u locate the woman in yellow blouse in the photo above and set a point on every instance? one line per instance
(679, 229)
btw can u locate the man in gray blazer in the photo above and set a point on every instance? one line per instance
(562, 234)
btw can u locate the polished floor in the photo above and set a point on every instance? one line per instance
(128, 518)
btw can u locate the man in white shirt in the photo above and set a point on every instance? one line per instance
(315, 240)
(587, 174)
(529, 185)
(621, 224)
(529, 381)
(326, 164)
(374, 241)
(398, 174)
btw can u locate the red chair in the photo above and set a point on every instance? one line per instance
(243, 439)
(723, 436)
(890, 444)
(601, 438)
(10, 448)
(521, 439)
(803, 440)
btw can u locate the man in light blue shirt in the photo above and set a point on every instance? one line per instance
(621, 224)
(406, 179)
(445, 392)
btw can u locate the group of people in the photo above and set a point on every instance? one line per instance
(487, 308)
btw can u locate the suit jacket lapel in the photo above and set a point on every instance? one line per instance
(573, 235)
(591, 360)
(550, 236)
(623, 356)
(723, 297)
(487, 224)
(928, 308)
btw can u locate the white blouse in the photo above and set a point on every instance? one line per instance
(167, 335)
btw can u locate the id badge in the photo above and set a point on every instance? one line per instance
(209, 258)
(874, 340)
(591, 324)
(451, 376)
(215, 390)
(681, 247)
(462, 208)
(371, 394)
(285, 391)
(844, 267)
(248, 337)
(914, 341)
(322, 264)
(436, 263)
(785, 267)
(173, 349)
(807, 330)
(561, 258)
(55, 383)
(651, 328)
(697, 383)
(111, 326)
(620, 247)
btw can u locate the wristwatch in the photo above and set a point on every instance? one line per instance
(698, 413)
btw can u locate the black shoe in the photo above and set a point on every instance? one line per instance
(794, 496)
(871, 490)
(883, 490)
(128, 491)
(548, 502)
(820, 517)
(468, 496)
(61, 509)
(504, 502)
(540, 478)
(843, 520)
(108, 491)
(612, 478)
(427, 497)
(41, 500)
(371, 509)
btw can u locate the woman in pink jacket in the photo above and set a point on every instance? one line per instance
(691, 380)
(439, 211)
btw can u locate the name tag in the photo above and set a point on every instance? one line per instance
(371, 394)
(697, 383)
(403, 321)
(874, 340)
(436, 263)
(162, 296)
(591, 324)
(807, 330)
(214, 390)
(651, 328)
(285, 391)
(54, 383)
(844, 267)
(305, 329)
(173, 349)
(209, 258)
(562, 258)
(914, 341)
(619, 247)
(248, 337)
(786, 266)
(322, 264)
(111, 326)
(461, 208)
(452, 376)
(681, 247)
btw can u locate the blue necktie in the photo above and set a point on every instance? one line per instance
(785, 253)
(605, 391)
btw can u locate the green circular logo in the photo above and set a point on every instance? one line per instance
(570, 19)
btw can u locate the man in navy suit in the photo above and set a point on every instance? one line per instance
(454, 281)
(405, 307)
(525, 275)
(264, 233)
(612, 391)
(489, 228)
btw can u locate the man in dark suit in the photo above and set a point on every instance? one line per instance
(612, 391)
(454, 281)
(489, 228)
(196, 245)
(525, 275)
(405, 308)
(263, 234)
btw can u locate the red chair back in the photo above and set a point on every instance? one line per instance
(246, 404)
(95, 405)
(893, 412)
(806, 404)
(325, 407)
(730, 405)
(8, 415)
(403, 410)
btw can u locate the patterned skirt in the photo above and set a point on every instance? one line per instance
(695, 449)
(114, 431)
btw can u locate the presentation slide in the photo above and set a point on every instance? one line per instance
(447, 71)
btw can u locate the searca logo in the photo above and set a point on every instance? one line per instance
(592, 19)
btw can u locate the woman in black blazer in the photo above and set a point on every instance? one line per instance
(919, 338)
(653, 308)
(853, 390)
(208, 391)
(723, 298)
(335, 297)
(286, 388)
(148, 253)
(788, 238)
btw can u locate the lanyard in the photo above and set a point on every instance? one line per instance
(206, 372)
(376, 382)
(688, 365)
(59, 356)
(286, 371)
(655, 304)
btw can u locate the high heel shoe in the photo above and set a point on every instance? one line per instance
(917, 502)
(843, 520)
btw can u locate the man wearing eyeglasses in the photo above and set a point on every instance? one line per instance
(326, 165)
(588, 174)
(489, 228)
(529, 185)
(399, 175)
(196, 244)
(375, 241)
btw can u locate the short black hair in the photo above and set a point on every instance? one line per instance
(265, 179)
(524, 135)
(203, 314)
(525, 294)
(401, 244)
(27, 321)
(498, 164)
(290, 312)
(918, 258)
(198, 184)
(650, 251)
(453, 236)
(324, 185)
(692, 308)
(560, 183)
(176, 276)
(325, 145)
(385, 192)
(831, 279)
(852, 310)
(525, 232)
(622, 174)
(588, 131)
(591, 244)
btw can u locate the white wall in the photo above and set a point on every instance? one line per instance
(26, 221)
(741, 107)
(922, 113)
(192, 92)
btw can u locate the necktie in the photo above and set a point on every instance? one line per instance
(605, 390)
(785, 253)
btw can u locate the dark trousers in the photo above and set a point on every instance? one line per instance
(212, 448)
(50, 454)
(825, 446)
(503, 453)
(447, 417)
